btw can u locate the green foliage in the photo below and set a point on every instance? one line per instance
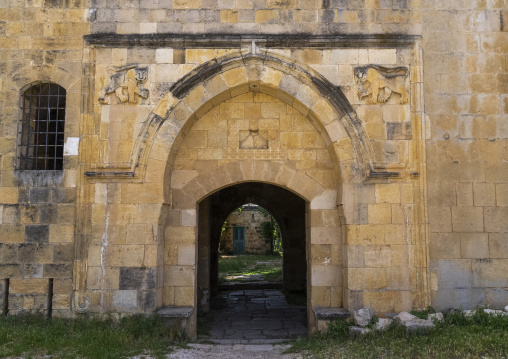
(84, 337)
(478, 336)
(373, 321)
(339, 329)
(267, 229)
(423, 314)
(203, 324)
(271, 230)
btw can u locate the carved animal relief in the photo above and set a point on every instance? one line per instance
(378, 83)
(126, 82)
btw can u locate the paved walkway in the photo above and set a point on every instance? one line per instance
(255, 316)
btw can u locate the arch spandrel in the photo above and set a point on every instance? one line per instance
(223, 78)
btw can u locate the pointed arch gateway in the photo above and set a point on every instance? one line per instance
(175, 149)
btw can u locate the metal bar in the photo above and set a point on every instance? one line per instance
(45, 106)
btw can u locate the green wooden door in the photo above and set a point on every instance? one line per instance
(238, 240)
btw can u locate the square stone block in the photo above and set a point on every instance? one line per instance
(377, 256)
(474, 245)
(125, 300)
(186, 254)
(184, 296)
(326, 275)
(488, 273)
(455, 273)
(179, 276)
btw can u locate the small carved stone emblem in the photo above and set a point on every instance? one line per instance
(253, 139)
(126, 82)
(377, 83)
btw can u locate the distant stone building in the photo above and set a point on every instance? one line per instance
(373, 130)
(243, 233)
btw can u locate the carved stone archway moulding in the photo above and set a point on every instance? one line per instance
(259, 69)
(255, 68)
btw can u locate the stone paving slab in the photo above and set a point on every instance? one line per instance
(247, 316)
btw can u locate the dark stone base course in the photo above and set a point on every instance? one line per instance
(16, 303)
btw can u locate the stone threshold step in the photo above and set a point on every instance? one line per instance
(251, 286)
(242, 341)
(175, 312)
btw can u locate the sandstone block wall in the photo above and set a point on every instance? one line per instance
(116, 228)
(465, 99)
(40, 41)
(255, 241)
(260, 16)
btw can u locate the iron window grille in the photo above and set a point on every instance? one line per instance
(41, 137)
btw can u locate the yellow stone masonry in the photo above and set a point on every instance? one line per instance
(396, 145)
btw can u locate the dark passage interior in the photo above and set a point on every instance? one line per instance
(261, 313)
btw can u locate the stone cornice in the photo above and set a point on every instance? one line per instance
(261, 40)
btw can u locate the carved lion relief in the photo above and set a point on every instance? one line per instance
(126, 82)
(377, 83)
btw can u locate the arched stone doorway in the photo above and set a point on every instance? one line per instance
(255, 116)
(285, 206)
(293, 164)
(216, 128)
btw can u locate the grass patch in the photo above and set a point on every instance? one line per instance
(423, 314)
(479, 336)
(267, 265)
(34, 335)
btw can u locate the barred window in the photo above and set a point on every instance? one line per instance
(41, 137)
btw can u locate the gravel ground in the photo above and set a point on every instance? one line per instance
(237, 351)
(211, 351)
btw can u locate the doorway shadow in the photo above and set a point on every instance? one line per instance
(253, 312)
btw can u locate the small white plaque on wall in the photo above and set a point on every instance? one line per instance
(71, 146)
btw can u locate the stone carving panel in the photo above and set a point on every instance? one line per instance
(253, 139)
(376, 84)
(126, 82)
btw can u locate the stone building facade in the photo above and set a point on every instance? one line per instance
(374, 130)
(254, 241)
